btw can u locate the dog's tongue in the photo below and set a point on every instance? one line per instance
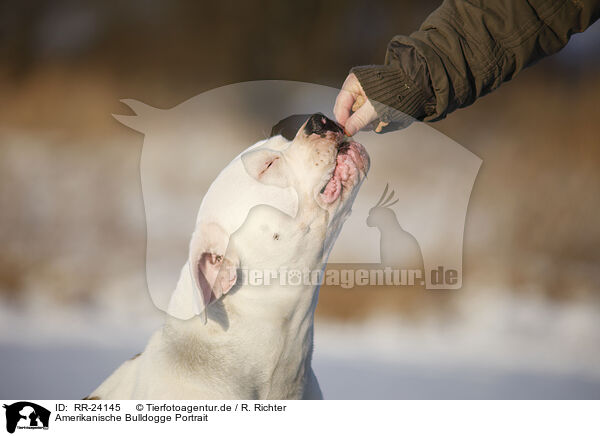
(345, 169)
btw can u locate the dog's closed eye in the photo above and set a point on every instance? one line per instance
(267, 166)
(276, 236)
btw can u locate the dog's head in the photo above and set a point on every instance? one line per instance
(323, 165)
(280, 202)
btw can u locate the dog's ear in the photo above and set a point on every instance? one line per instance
(213, 271)
(267, 166)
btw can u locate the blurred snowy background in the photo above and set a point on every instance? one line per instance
(73, 298)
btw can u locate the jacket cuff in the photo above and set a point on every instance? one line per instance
(392, 93)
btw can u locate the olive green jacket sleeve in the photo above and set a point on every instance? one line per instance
(466, 49)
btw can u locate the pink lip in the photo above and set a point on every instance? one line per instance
(351, 160)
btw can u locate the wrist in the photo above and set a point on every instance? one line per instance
(392, 93)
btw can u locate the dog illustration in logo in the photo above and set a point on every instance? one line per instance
(26, 414)
(430, 173)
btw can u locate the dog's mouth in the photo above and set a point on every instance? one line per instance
(352, 163)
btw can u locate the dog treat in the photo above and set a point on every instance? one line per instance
(360, 100)
(380, 126)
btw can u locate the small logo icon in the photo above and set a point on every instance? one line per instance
(26, 415)
(397, 247)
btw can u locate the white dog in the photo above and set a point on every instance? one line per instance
(278, 206)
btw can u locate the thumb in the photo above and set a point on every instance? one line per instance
(361, 118)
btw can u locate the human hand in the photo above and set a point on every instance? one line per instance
(352, 109)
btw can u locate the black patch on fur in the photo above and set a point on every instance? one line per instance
(288, 127)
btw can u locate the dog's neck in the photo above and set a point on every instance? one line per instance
(261, 336)
(265, 331)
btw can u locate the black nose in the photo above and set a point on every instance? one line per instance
(320, 124)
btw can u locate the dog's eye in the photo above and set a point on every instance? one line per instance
(276, 236)
(267, 166)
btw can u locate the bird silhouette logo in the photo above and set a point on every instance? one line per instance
(398, 248)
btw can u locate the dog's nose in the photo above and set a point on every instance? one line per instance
(320, 124)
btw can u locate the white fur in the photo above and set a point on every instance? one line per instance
(253, 342)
